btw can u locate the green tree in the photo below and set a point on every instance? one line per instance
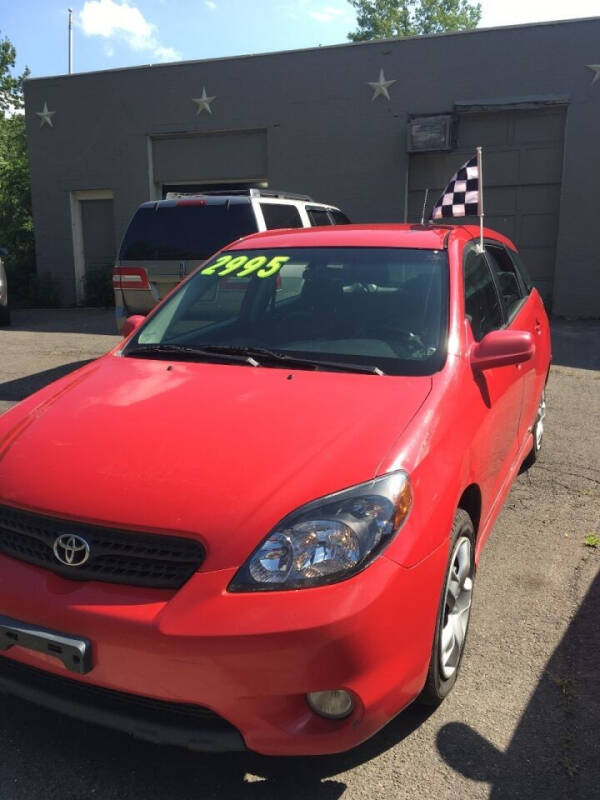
(16, 224)
(389, 19)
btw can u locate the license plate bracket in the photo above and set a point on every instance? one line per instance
(74, 652)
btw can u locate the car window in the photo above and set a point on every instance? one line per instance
(176, 231)
(281, 216)
(521, 269)
(386, 307)
(482, 304)
(339, 218)
(318, 216)
(512, 290)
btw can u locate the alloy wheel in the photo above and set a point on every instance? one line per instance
(538, 429)
(457, 607)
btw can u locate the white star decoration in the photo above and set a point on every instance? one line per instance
(381, 86)
(595, 68)
(45, 116)
(203, 102)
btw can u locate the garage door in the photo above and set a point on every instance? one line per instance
(522, 164)
(231, 156)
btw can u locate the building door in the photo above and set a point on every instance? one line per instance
(98, 230)
(522, 167)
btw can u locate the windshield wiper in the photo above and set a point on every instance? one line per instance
(273, 357)
(183, 351)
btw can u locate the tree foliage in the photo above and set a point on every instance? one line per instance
(16, 224)
(390, 19)
(11, 86)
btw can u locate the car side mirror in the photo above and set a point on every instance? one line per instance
(502, 348)
(131, 324)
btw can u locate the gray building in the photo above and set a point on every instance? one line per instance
(367, 127)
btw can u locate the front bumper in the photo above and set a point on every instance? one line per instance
(239, 665)
(154, 721)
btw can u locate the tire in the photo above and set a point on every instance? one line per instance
(454, 613)
(538, 434)
(4, 316)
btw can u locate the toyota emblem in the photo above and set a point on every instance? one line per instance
(71, 550)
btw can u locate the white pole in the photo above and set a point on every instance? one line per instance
(480, 203)
(424, 207)
(70, 41)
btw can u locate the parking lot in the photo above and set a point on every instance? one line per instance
(523, 721)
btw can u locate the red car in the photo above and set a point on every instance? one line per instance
(258, 526)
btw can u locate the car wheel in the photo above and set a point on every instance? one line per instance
(454, 612)
(4, 315)
(538, 433)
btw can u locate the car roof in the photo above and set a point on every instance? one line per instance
(421, 237)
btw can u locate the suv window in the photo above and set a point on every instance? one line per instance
(167, 232)
(511, 289)
(318, 216)
(281, 216)
(339, 218)
(482, 304)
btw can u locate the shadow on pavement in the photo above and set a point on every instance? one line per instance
(20, 388)
(555, 751)
(98, 321)
(48, 756)
(576, 343)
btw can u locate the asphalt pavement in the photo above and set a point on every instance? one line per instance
(523, 720)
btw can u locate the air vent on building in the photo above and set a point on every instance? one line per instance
(431, 133)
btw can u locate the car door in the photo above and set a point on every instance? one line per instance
(524, 311)
(499, 389)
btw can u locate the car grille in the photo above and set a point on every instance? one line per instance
(116, 556)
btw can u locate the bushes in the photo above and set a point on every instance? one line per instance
(28, 290)
(98, 287)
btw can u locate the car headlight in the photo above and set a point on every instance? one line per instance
(328, 539)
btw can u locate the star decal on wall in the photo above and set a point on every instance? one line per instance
(45, 116)
(380, 87)
(595, 68)
(203, 102)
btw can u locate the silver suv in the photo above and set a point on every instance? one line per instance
(4, 312)
(167, 239)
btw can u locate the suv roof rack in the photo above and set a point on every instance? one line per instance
(243, 193)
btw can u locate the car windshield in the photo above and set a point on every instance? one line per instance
(383, 308)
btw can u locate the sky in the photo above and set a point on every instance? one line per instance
(109, 34)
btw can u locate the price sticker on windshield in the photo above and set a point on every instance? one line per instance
(245, 266)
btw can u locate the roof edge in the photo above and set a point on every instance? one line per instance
(370, 43)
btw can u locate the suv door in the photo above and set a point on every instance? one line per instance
(524, 310)
(501, 388)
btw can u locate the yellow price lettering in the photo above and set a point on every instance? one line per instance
(274, 265)
(252, 266)
(242, 266)
(212, 268)
(233, 265)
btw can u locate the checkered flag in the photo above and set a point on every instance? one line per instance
(461, 197)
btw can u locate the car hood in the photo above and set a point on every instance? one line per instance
(213, 451)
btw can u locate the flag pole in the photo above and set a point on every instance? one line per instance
(70, 41)
(424, 206)
(480, 201)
